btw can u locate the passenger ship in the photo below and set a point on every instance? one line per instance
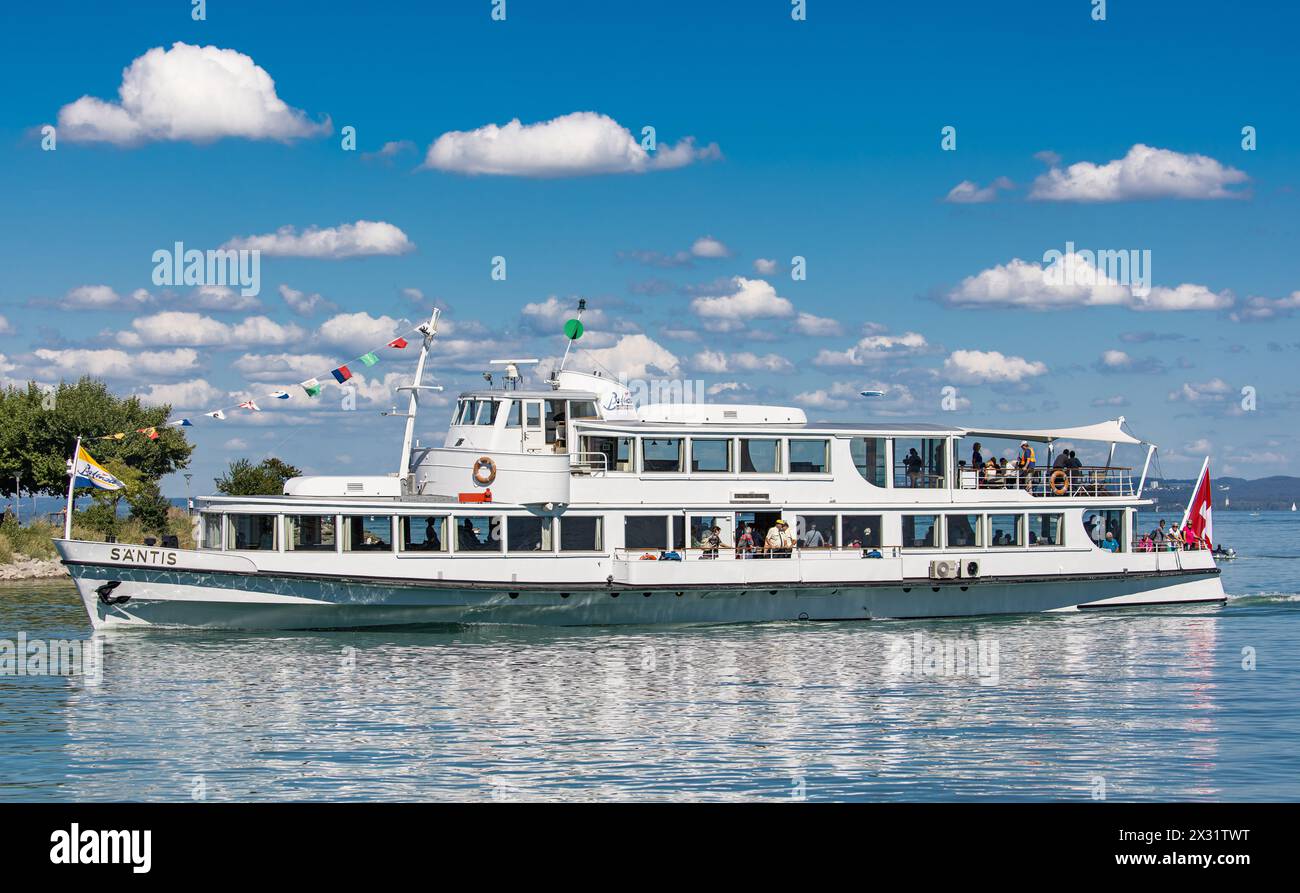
(569, 505)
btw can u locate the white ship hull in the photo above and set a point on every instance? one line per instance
(179, 588)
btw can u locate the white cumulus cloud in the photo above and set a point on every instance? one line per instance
(573, 145)
(196, 330)
(636, 356)
(360, 330)
(361, 239)
(990, 366)
(188, 93)
(195, 394)
(751, 299)
(873, 349)
(968, 192)
(1144, 173)
(113, 363)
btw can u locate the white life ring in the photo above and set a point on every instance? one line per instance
(485, 471)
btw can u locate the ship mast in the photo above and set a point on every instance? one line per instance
(428, 329)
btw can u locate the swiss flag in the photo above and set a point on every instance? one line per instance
(1199, 520)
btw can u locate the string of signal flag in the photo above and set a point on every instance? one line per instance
(311, 387)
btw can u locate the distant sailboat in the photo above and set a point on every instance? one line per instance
(1293, 506)
(1226, 502)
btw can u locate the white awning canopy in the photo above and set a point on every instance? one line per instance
(1106, 432)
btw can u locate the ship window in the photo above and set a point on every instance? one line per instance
(583, 409)
(710, 454)
(424, 533)
(579, 533)
(466, 414)
(1101, 521)
(1005, 530)
(211, 530)
(861, 531)
(661, 455)
(920, 531)
(1046, 530)
(528, 533)
(478, 533)
(487, 412)
(964, 531)
(309, 533)
(367, 533)
(809, 456)
(869, 459)
(760, 455)
(533, 412)
(645, 531)
(616, 450)
(702, 525)
(815, 531)
(250, 532)
(919, 461)
(513, 420)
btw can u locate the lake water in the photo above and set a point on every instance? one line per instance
(1146, 704)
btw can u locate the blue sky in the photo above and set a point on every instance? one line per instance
(818, 138)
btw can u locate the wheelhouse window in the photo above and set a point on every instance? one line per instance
(514, 418)
(1005, 531)
(1100, 522)
(616, 450)
(1046, 530)
(964, 531)
(645, 531)
(579, 533)
(661, 455)
(211, 530)
(711, 454)
(869, 457)
(250, 532)
(309, 533)
(528, 533)
(583, 409)
(478, 533)
(919, 461)
(487, 412)
(815, 531)
(760, 455)
(367, 533)
(920, 531)
(424, 533)
(810, 456)
(466, 412)
(861, 531)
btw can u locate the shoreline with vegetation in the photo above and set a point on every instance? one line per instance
(27, 552)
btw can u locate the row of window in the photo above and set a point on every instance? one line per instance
(412, 533)
(586, 533)
(720, 455)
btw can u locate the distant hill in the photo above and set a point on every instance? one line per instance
(1259, 495)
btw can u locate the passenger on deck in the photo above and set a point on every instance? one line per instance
(431, 537)
(812, 538)
(779, 542)
(1110, 544)
(976, 457)
(1063, 460)
(712, 542)
(1074, 460)
(913, 465)
(1160, 536)
(1026, 463)
(745, 541)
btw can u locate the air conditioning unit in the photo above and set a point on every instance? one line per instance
(971, 569)
(945, 569)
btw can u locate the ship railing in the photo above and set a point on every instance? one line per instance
(588, 463)
(731, 553)
(1085, 481)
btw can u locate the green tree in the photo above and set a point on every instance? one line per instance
(38, 431)
(267, 478)
(149, 507)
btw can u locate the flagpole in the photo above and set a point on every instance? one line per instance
(72, 479)
(429, 329)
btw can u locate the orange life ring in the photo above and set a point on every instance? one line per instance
(1060, 482)
(485, 471)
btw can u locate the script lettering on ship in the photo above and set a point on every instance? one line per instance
(143, 556)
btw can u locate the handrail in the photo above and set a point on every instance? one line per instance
(695, 553)
(1080, 481)
(578, 463)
